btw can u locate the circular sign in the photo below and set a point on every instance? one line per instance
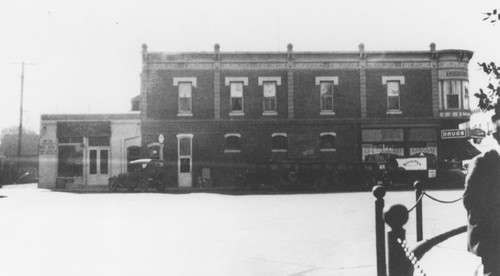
(161, 138)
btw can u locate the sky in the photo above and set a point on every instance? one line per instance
(84, 56)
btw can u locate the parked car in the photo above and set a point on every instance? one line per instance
(149, 173)
(299, 174)
(360, 175)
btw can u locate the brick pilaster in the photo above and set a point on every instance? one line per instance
(216, 82)
(290, 101)
(434, 81)
(362, 80)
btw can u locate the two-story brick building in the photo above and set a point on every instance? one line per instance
(211, 112)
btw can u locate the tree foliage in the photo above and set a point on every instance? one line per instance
(9, 142)
(489, 97)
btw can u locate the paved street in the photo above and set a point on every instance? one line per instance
(56, 233)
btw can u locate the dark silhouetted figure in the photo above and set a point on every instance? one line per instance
(482, 201)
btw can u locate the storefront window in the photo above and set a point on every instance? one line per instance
(70, 162)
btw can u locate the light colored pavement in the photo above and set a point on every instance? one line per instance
(55, 233)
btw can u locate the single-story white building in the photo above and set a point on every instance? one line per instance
(77, 150)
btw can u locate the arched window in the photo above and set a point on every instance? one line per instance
(133, 153)
(232, 142)
(328, 141)
(279, 142)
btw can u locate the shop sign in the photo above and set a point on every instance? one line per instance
(47, 146)
(413, 163)
(453, 133)
(477, 133)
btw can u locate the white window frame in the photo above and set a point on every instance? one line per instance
(176, 82)
(282, 135)
(401, 81)
(232, 135)
(335, 81)
(273, 112)
(328, 134)
(244, 81)
(185, 113)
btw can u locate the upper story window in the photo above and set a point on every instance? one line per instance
(327, 141)
(232, 142)
(236, 97)
(270, 103)
(326, 94)
(393, 100)
(452, 90)
(236, 88)
(185, 88)
(279, 142)
(393, 86)
(269, 97)
(185, 101)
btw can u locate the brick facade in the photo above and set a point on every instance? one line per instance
(359, 103)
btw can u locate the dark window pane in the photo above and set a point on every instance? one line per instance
(269, 104)
(232, 143)
(185, 165)
(393, 103)
(452, 101)
(280, 142)
(104, 162)
(327, 142)
(236, 104)
(185, 146)
(93, 162)
(70, 161)
(185, 105)
(326, 103)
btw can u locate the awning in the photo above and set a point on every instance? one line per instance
(84, 129)
(457, 148)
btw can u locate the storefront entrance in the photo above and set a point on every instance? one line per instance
(98, 165)
(185, 160)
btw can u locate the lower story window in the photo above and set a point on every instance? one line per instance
(232, 143)
(327, 142)
(70, 161)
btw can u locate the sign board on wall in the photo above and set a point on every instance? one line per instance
(453, 133)
(413, 163)
(47, 146)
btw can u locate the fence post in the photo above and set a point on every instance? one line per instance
(379, 193)
(418, 193)
(399, 264)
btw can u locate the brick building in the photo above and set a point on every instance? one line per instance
(211, 112)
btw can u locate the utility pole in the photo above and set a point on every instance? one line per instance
(20, 133)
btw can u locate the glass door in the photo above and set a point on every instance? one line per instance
(98, 166)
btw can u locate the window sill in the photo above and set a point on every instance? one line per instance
(328, 150)
(185, 115)
(394, 112)
(279, 150)
(270, 113)
(232, 151)
(238, 113)
(327, 113)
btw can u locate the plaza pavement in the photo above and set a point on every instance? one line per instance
(56, 233)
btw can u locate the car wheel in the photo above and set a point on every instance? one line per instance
(160, 186)
(320, 184)
(113, 184)
(143, 185)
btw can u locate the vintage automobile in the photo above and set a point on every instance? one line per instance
(298, 174)
(148, 173)
(360, 175)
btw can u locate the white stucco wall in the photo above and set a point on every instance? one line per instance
(47, 160)
(124, 134)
